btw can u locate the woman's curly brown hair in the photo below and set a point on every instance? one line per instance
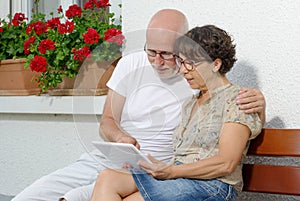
(209, 42)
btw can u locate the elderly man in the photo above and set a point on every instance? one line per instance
(142, 107)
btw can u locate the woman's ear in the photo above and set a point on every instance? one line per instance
(217, 65)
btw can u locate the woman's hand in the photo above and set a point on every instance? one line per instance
(157, 169)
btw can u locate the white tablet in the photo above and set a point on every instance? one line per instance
(120, 153)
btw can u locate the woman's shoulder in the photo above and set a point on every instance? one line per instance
(227, 93)
(234, 114)
(234, 89)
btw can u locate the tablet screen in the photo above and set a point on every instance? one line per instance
(120, 153)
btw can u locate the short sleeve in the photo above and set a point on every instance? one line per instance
(117, 80)
(235, 115)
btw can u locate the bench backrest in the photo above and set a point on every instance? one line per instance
(274, 178)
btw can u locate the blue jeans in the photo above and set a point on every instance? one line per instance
(182, 189)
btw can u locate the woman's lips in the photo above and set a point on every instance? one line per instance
(189, 80)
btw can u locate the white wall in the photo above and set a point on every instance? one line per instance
(33, 146)
(4, 5)
(267, 35)
(40, 134)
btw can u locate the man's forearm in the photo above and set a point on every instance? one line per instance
(110, 130)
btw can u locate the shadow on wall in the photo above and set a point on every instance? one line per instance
(244, 74)
(275, 122)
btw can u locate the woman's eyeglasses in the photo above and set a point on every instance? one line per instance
(189, 65)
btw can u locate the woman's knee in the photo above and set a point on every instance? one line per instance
(105, 176)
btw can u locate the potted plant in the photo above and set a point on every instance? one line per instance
(14, 78)
(59, 47)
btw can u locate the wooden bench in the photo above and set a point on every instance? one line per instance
(274, 178)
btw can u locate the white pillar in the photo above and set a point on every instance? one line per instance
(66, 3)
(4, 9)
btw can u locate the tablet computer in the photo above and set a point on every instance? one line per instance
(120, 153)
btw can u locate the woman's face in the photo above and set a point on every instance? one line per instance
(196, 73)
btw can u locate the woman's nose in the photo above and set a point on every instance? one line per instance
(182, 69)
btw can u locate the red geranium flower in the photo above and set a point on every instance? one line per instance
(96, 4)
(38, 64)
(45, 45)
(27, 44)
(82, 53)
(68, 27)
(103, 4)
(91, 36)
(39, 27)
(18, 17)
(73, 11)
(62, 29)
(114, 35)
(88, 5)
(52, 23)
(59, 9)
(1, 29)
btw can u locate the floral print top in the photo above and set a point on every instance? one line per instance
(197, 137)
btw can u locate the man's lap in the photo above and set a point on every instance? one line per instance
(74, 181)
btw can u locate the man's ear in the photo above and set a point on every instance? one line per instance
(217, 65)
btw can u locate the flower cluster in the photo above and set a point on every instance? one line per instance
(12, 37)
(57, 47)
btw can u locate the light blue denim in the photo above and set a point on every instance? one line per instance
(182, 189)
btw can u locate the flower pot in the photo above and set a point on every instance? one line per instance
(90, 81)
(15, 80)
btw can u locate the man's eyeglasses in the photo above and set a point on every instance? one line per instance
(164, 54)
(189, 65)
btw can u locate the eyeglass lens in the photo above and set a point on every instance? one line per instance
(188, 65)
(164, 55)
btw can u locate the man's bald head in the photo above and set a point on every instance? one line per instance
(164, 28)
(169, 19)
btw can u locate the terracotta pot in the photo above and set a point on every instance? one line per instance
(15, 80)
(90, 81)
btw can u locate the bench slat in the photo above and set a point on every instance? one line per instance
(276, 142)
(272, 179)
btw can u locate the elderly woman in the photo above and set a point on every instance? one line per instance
(209, 143)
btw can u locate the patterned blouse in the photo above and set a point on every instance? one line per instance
(197, 138)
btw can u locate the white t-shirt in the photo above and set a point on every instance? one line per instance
(153, 105)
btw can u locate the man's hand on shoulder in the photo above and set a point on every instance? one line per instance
(252, 100)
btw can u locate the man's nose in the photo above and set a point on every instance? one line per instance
(158, 60)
